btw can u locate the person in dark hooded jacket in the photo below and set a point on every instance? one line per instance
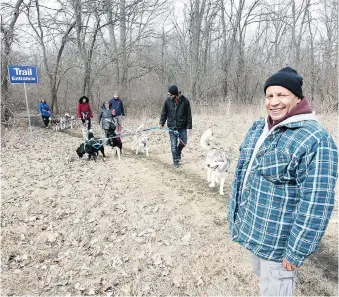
(106, 119)
(45, 112)
(85, 111)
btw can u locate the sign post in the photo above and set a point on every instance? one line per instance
(29, 117)
(23, 75)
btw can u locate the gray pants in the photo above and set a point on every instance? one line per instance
(275, 280)
(118, 122)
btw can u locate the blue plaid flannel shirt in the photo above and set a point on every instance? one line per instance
(285, 206)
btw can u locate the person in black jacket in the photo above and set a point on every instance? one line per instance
(177, 112)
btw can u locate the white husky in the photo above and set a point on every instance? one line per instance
(216, 161)
(140, 141)
(69, 121)
(85, 130)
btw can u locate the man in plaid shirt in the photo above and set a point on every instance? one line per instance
(283, 193)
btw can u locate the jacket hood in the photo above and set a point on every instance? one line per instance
(292, 122)
(83, 97)
(104, 107)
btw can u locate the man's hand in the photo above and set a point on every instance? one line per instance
(189, 132)
(288, 266)
(123, 117)
(160, 126)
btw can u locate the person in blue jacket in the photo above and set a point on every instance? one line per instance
(118, 111)
(284, 186)
(45, 112)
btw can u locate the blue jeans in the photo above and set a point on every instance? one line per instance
(178, 142)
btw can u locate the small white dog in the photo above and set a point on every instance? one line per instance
(69, 121)
(216, 161)
(62, 123)
(140, 141)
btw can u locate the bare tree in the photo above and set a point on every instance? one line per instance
(52, 69)
(227, 46)
(327, 77)
(299, 15)
(197, 10)
(7, 30)
(112, 48)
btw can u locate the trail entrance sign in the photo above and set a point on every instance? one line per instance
(20, 74)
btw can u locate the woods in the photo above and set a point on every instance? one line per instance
(215, 50)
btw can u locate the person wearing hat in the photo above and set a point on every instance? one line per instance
(177, 112)
(283, 191)
(85, 111)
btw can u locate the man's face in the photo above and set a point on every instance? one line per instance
(83, 100)
(279, 102)
(116, 96)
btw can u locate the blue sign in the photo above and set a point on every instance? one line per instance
(22, 74)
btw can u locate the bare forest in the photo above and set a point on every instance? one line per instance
(216, 51)
(137, 226)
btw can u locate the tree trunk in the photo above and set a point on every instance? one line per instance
(8, 34)
(113, 46)
(197, 13)
(122, 47)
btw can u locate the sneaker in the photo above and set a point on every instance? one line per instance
(175, 165)
(47, 127)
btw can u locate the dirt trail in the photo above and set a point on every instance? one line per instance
(136, 226)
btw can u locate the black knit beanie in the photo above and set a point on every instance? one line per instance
(173, 90)
(287, 78)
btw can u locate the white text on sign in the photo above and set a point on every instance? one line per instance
(19, 71)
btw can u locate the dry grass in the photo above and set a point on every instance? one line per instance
(135, 226)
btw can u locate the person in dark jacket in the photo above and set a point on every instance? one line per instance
(106, 118)
(177, 112)
(118, 111)
(45, 112)
(85, 111)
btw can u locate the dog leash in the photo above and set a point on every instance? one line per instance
(143, 130)
(129, 134)
(176, 132)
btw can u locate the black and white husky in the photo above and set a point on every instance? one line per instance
(216, 160)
